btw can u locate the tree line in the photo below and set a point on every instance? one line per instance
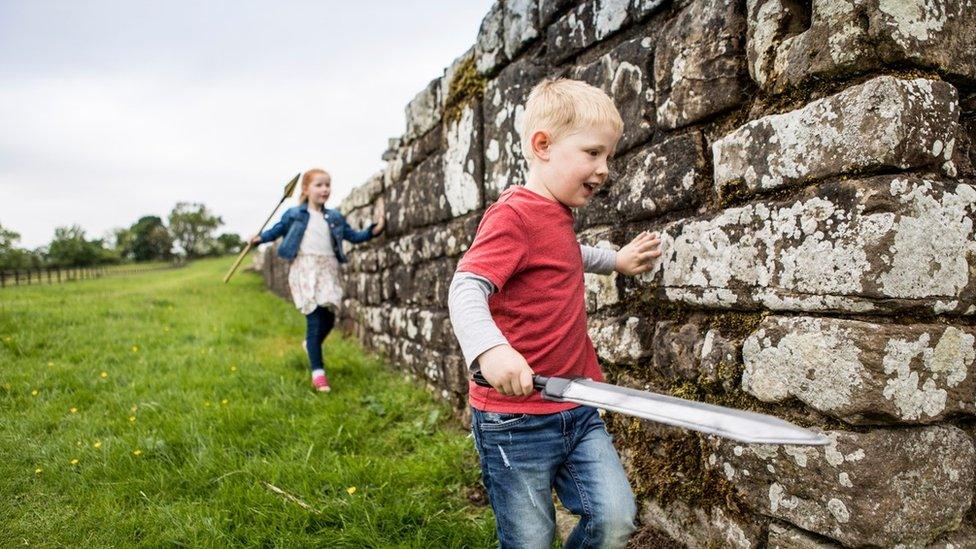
(190, 233)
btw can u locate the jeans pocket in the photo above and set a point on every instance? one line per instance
(495, 421)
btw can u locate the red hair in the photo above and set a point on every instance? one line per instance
(307, 180)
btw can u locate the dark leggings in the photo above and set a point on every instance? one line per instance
(318, 325)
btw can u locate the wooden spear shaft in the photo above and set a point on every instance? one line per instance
(289, 189)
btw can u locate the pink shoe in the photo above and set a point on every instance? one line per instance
(321, 383)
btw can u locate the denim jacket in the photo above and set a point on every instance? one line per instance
(292, 226)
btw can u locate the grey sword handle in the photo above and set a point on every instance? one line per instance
(538, 382)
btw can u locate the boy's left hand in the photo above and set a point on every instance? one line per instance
(637, 256)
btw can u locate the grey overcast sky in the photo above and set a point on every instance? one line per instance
(111, 110)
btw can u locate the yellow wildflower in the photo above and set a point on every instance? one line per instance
(50, 364)
(233, 368)
(34, 392)
(137, 452)
(98, 444)
(104, 375)
(38, 471)
(351, 490)
(206, 403)
(224, 402)
(135, 348)
(132, 418)
(73, 410)
(74, 461)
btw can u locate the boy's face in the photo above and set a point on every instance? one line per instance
(577, 164)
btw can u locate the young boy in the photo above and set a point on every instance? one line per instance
(517, 307)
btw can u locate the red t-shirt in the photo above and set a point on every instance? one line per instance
(527, 248)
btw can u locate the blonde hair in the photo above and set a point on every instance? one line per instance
(307, 180)
(562, 106)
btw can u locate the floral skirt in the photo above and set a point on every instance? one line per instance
(314, 281)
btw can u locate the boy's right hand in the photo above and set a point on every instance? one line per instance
(506, 370)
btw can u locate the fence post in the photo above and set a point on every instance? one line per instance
(3, 279)
(16, 277)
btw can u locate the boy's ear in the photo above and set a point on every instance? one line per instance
(540, 145)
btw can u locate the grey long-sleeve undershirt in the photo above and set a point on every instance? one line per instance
(467, 301)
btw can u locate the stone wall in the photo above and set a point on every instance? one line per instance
(810, 167)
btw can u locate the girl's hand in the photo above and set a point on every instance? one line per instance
(637, 256)
(255, 240)
(379, 216)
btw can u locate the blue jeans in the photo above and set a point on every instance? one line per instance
(318, 324)
(523, 457)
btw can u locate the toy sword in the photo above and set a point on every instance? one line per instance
(748, 427)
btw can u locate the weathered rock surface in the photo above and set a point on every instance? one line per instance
(489, 48)
(520, 25)
(691, 351)
(697, 528)
(862, 372)
(700, 64)
(504, 105)
(463, 162)
(625, 73)
(883, 123)
(654, 180)
(790, 43)
(786, 536)
(855, 246)
(621, 340)
(419, 200)
(409, 154)
(880, 488)
(424, 111)
(585, 25)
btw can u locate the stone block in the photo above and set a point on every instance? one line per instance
(363, 195)
(790, 43)
(880, 488)
(626, 74)
(419, 200)
(489, 48)
(699, 528)
(447, 240)
(654, 180)
(863, 372)
(463, 161)
(504, 105)
(885, 123)
(410, 154)
(520, 25)
(621, 340)
(424, 111)
(700, 63)
(864, 245)
(549, 10)
(692, 351)
(585, 25)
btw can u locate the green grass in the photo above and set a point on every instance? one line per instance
(180, 397)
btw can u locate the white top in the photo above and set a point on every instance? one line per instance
(317, 239)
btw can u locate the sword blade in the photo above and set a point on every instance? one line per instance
(740, 425)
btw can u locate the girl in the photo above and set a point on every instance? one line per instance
(313, 245)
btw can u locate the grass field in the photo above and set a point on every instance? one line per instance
(167, 408)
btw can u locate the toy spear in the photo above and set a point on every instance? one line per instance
(289, 189)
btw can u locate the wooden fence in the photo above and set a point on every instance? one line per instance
(57, 275)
